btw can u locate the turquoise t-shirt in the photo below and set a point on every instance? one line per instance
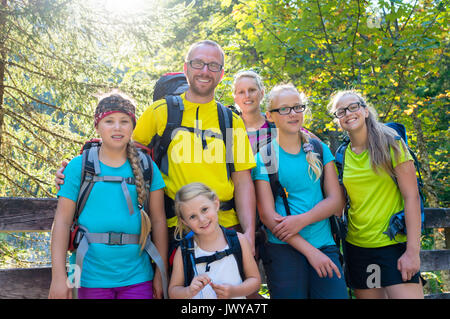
(304, 192)
(106, 210)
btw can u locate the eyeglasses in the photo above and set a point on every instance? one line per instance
(199, 64)
(285, 110)
(352, 107)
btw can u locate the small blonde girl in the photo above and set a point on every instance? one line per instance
(196, 206)
(301, 258)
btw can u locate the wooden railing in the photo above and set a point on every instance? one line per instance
(36, 214)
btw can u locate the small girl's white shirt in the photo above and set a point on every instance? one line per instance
(223, 271)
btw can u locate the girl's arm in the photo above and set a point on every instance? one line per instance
(176, 286)
(333, 203)
(159, 235)
(59, 243)
(269, 217)
(252, 279)
(409, 262)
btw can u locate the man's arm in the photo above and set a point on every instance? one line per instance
(59, 176)
(244, 198)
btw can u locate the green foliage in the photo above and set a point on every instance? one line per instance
(56, 55)
(396, 53)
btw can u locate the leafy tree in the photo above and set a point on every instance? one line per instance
(55, 55)
(390, 50)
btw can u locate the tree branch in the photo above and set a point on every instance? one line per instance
(28, 150)
(13, 182)
(354, 39)
(41, 128)
(45, 103)
(18, 168)
(37, 137)
(330, 49)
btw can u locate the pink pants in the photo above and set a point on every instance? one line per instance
(142, 290)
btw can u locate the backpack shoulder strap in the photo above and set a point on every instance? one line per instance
(270, 133)
(340, 159)
(90, 167)
(146, 166)
(268, 157)
(235, 247)
(226, 124)
(175, 110)
(188, 255)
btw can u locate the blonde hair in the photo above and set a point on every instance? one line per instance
(248, 74)
(314, 164)
(381, 138)
(142, 192)
(184, 194)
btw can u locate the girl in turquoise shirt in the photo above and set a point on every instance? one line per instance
(111, 271)
(300, 258)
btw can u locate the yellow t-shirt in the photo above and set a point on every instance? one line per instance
(374, 198)
(190, 159)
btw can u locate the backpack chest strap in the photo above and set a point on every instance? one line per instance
(112, 238)
(218, 255)
(119, 179)
(123, 183)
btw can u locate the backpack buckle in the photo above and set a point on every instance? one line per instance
(114, 238)
(220, 254)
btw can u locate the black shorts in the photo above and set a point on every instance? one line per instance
(374, 267)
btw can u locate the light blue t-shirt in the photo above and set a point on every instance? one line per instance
(106, 210)
(304, 192)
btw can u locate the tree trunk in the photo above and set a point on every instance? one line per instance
(2, 64)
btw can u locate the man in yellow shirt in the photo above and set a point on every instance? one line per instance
(196, 153)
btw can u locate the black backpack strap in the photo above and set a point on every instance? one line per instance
(146, 166)
(340, 163)
(235, 247)
(188, 255)
(226, 127)
(340, 159)
(268, 157)
(175, 110)
(189, 259)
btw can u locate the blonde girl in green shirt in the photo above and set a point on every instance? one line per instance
(377, 266)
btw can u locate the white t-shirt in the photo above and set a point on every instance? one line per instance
(223, 271)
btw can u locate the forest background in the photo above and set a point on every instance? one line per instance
(56, 55)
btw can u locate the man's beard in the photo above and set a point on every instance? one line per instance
(203, 93)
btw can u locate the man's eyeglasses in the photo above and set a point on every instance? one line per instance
(285, 110)
(352, 107)
(199, 64)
